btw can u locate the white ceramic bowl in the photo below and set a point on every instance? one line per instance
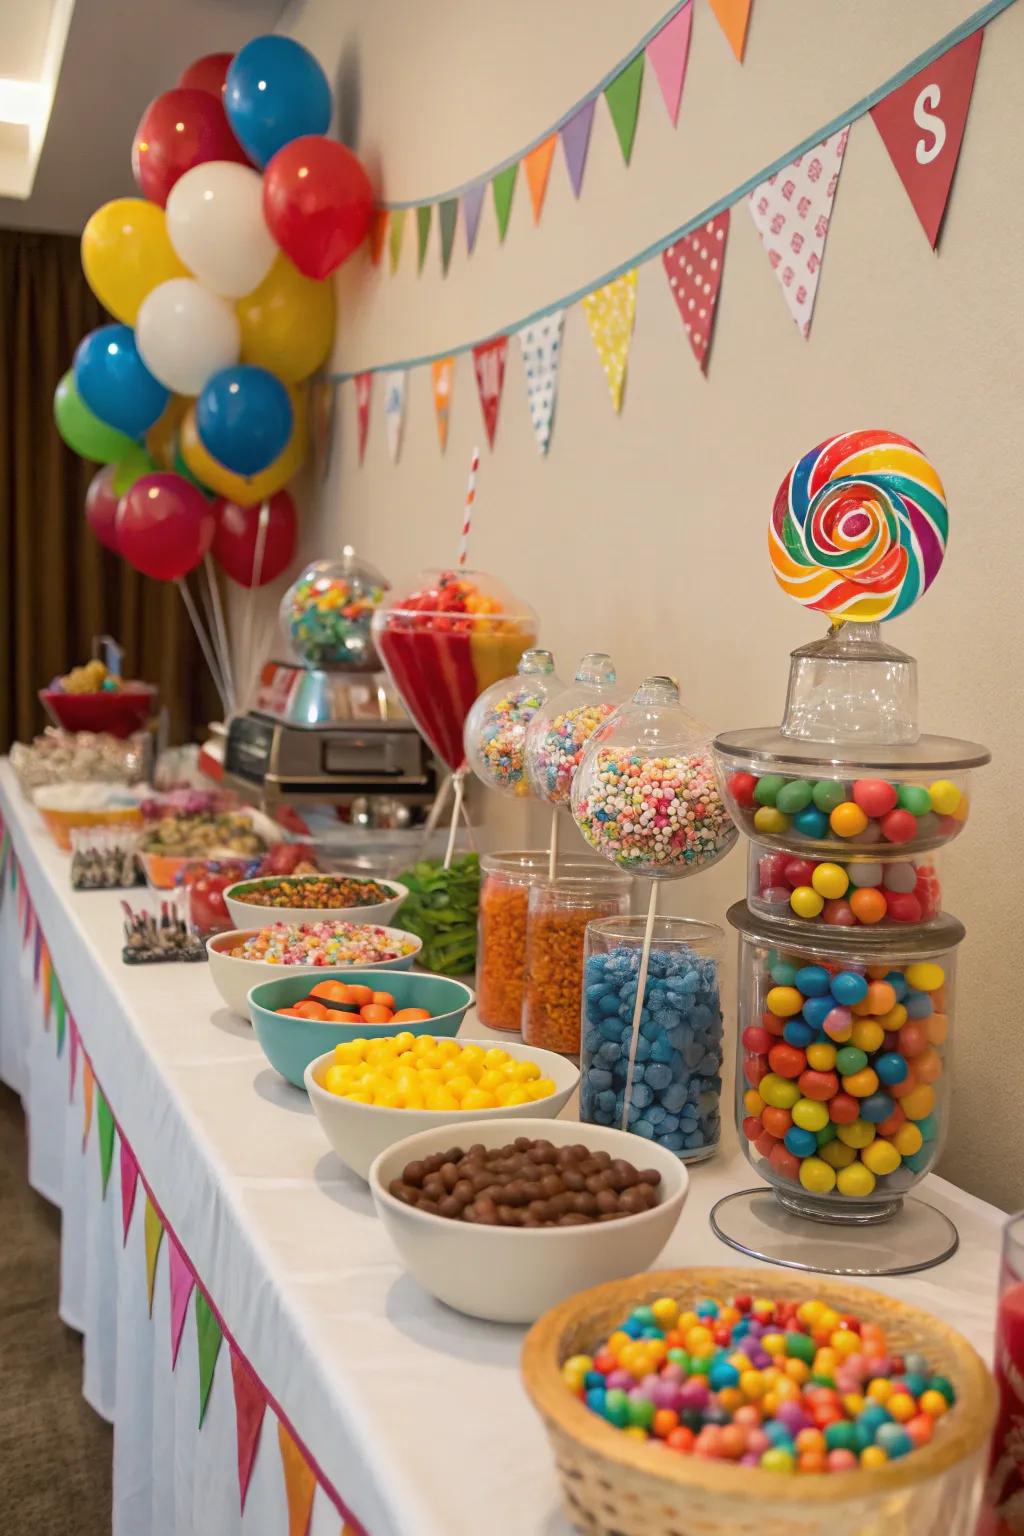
(245, 913)
(357, 1132)
(513, 1274)
(235, 978)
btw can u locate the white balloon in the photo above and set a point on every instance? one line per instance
(185, 334)
(215, 223)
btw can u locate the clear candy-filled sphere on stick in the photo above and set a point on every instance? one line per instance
(560, 731)
(326, 614)
(497, 724)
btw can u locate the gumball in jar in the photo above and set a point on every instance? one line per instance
(497, 724)
(326, 614)
(560, 730)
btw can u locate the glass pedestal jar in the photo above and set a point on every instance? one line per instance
(676, 1085)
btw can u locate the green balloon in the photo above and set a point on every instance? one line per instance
(85, 433)
(131, 467)
(182, 469)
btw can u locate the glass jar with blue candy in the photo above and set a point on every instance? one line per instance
(673, 1094)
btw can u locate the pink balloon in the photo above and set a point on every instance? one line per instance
(164, 526)
(101, 503)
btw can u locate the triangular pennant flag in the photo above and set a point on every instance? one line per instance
(209, 1336)
(15, 879)
(105, 1137)
(442, 373)
(537, 167)
(61, 1011)
(46, 981)
(182, 1284)
(668, 51)
(73, 1062)
(489, 362)
(422, 233)
(154, 1235)
(792, 210)
(299, 1482)
(693, 266)
(378, 234)
(610, 311)
(733, 16)
(623, 97)
(129, 1184)
(250, 1406)
(29, 920)
(447, 217)
(363, 382)
(37, 946)
(88, 1085)
(922, 127)
(503, 185)
(542, 352)
(472, 203)
(394, 410)
(395, 237)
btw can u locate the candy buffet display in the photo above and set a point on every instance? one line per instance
(496, 726)
(846, 959)
(676, 1081)
(355, 1003)
(75, 757)
(327, 613)
(150, 939)
(409, 1071)
(560, 730)
(441, 909)
(323, 944)
(103, 859)
(558, 912)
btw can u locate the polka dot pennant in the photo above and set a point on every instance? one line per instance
(693, 266)
(610, 311)
(791, 211)
(394, 410)
(542, 353)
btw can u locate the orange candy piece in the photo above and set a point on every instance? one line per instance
(361, 995)
(411, 1016)
(375, 1013)
(384, 999)
(333, 991)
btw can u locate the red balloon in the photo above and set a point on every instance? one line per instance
(164, 526)
(101, 501)
(179, 130)
(236, 540)
(317, 201)
(207, 74)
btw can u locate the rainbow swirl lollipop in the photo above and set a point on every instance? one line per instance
(858, 529)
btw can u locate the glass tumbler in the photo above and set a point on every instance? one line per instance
(557, 916)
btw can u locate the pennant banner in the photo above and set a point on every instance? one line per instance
(73, 1062)
(542, 345)
(422, 234)
(447, 215)
(489, 362)
(364, 383)
(61, 1014)
(88, 1085)
(922, 126)
(378, 234)
(503, 185)
(182, 1282)
(395, 237)
(299, 1483)
(394, 411)
(472, 203)
(537, 169)
(575, 142)
(105, 1137)
(668, 53)
(250, 1406)
(791, 211)
(694, 271)
(610, 311)
(154, 1235)
(209, 1336)
(129, 1184)
(442, 373)
(623, 98)
(733, 16)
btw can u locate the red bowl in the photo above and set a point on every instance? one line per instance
(119, 714)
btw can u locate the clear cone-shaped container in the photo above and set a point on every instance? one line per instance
(443, 641)
(560, 731)
(326, 614)
(497, 724)
(645, 794)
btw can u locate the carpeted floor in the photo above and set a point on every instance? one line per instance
(54, 1451)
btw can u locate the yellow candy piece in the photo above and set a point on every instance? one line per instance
(894, 1019)
(525, 1071)
(809, 1114)
(907, 1139)
(933, 1404)
(447, 1048)
(774, 1343)
(822, 1057)
(856, 1181)
(854, 1403)
(460, 1084)
(830, 881)
(780, 1092)
(768, 819)
(405, 1040)
(387, 1098)
(867, 1035)
(349, 1051)
(881, 1157)
(880, 1389)
(543, 1088)
(336, 1079)
(358, 1096)
(478, 1098)
(858, 1134)
(495, 1057)
(784, 1002)
(838, 1155)
(872, 1457)
(752, 1100)
(439, 1098)
(925, 975)
(945, 797)
(902, 1407)
(919, 1102)
(817, 1176)
(806, 902)
(514, 1094)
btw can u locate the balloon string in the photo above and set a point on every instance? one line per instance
(553, 844)
(206, 608)
(249, 617)
(227, 668)
(204, 644)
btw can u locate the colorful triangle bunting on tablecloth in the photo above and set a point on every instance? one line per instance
(472, 203)
(154, 1236)
(299, 1482)
(88, 1088)
(250, 1406)
(61, 1014)
(73, 1060)
(610, 311)
(378, 234)
(363, 383)
(503, 185)
(489, 363)
(397, 223)
(667, 52)
(129, 1184)
(442, 372)
(541, 345)
(922, 126)
(209, 1337)
(37, 946)
(537, 169)
(575, 136)
(447, 217)
(623, 97)
(182, 1282)
(105, 1137)
(792, 211)
(423, 216)
(733, 16)
(693, 266)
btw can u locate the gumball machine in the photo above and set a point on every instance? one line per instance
(847, 960)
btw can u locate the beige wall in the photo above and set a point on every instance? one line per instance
(645, 534)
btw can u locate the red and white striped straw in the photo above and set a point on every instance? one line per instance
(467, 516)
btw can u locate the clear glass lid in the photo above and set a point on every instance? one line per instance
(850, 943)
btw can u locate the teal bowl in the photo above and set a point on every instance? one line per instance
(290, 1044)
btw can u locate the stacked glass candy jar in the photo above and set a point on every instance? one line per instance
(846, 986)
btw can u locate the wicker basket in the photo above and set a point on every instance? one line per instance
(615, 1485)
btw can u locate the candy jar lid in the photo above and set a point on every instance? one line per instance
(496, 726)
(560, 730)
(443, 640)
(326, 613)
(645, 794)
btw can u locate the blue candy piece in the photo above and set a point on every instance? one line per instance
(918, 1162)
(643, 1128)
(658, 1076)
(929, 1127)
(813, 981)
(894, 1440)
(722, 1374)
(810, 822)
(800, 1143)
(798, 1033)
(778, 1434)
(891, 1068)
(783, 974)
(899, 984)
(593, 1379)
(876, 1107)
(848, 988)
(709, 1308)
(816, 1010)
(918, 1005)
(596, 1398)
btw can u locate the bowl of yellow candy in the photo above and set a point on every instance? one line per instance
(368, 1094)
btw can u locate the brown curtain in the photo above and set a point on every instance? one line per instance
(58, 585)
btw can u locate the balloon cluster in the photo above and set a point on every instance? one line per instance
(218, 279)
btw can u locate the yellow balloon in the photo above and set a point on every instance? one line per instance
(162, 437)
(287, 322)
(247, 491)
(126, 253)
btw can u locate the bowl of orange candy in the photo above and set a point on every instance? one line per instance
(298, 1018)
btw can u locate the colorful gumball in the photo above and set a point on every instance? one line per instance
(874, 796)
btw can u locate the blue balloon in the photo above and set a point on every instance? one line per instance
(244, 418)
(275, 91)
(115, 383)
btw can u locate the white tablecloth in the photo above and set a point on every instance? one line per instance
(412, 1412)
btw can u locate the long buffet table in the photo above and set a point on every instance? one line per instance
(377, 1409)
